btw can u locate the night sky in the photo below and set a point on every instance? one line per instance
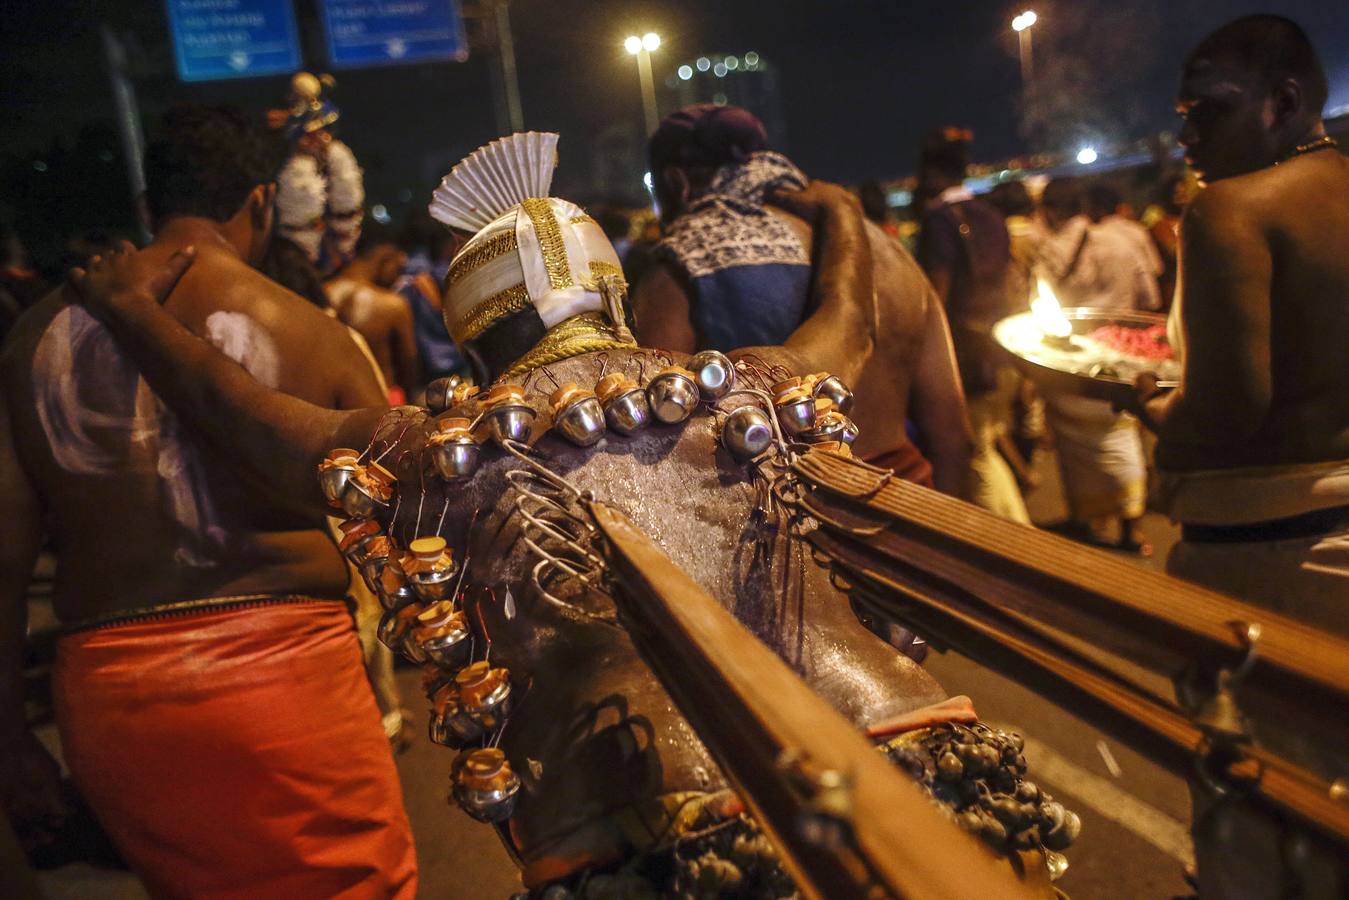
(860, 80)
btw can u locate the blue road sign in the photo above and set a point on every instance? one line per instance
(388, 32)
(233, 38)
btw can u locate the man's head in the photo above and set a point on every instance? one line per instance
(1061, 201)
(1102, 200)
(214, 163)
(943, 160)
(689, 146)
(380, 255)
(1250, 93)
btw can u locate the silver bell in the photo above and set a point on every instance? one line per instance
(360, 503)
(795, 411)
(625, 404)
(454, 451)
(335, 471)
(485, 694)
(484, 785)
(672, 395)
(831, 387)
(393, 588)
(747, 432)
(440, 394)
(443, 635)
(714, 372)
(431, 570)
(577, 415)
(508, 416)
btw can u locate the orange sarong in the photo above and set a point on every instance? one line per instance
(237, 752)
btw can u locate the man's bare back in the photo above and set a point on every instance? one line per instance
(384, 319)
(142, 510)
(1264, 302)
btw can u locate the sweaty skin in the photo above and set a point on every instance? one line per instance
(1263, 295)
(385, 321)
(910, 375)
(142, 510)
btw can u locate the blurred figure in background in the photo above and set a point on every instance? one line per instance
(1100, 450)
(429, 247)
(1162, 219)
(965, 250)
(20, 284)
(361, 294)
(876, 207)
(1107, 210)
(734, 271)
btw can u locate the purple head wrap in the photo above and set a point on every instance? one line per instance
(706, 135)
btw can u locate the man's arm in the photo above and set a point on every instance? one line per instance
(1226, 271)
(660, 310)
(840, 335)
(937, 406)
(279, 437)
(29, 777)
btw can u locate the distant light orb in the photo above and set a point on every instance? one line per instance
(732, 63)
(40, 165)
(633, 44)
(380, 214)
(1087, 155)
(1024, 21)
(646, 180)
(719, 70)
(703, 64)
(751, 59)
(650, 42)
(719, 99)
(685, 73)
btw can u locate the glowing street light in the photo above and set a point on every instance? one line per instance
(1021, 24)
(1087, 155)
(642, 48)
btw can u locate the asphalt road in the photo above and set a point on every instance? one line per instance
(1134, 841)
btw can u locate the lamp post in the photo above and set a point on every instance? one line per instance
(642, 48)
(1021, 24)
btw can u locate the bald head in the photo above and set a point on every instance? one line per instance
(1270, 48)
(1250, 93)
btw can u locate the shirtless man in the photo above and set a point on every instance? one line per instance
(362, 295)
(703, 151)
(203, 657)
(1254, 444)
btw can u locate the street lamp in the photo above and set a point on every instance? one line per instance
(1021, 24)
(642, 48)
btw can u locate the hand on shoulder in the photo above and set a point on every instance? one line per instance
(127, 278)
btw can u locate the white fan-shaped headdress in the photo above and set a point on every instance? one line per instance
(534, 261)
(495, 178)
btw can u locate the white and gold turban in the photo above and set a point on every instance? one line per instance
(535, 261)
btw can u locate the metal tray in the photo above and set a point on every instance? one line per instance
(1011, 335)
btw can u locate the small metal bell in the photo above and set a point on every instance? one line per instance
(625, 405)
(356, 534)
(334, 473)
(374, 558)
(508, 416)
(447, 724)
(714, 372)
(485, 694)
(440, 393)
(393, 588)
(831, 426)
(672, 395)
(431, 570)
(795, 410)
(443, 634)
(484, 785)
(747, 432)
(832, 388)
(577, 415)
(395, 625)
(368, 492)
(454, 451)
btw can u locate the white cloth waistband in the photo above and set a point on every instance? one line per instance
(1256, 494)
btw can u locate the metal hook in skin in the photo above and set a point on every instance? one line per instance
(551, 377)
(1249, 634)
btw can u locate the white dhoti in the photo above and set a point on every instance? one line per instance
(1101, 457)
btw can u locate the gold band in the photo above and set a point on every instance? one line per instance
(583, 333)
(470, 260)
(549, 233)
(599, 269)
(502, 303)
(582, 219)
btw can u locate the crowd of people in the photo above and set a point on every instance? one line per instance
(288, 281)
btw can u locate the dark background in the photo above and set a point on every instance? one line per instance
(859, 83)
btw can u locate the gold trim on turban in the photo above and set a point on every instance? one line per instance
(540, 213)
(497, 245)
(502, 303)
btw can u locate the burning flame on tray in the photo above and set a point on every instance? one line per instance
(1047, 313)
